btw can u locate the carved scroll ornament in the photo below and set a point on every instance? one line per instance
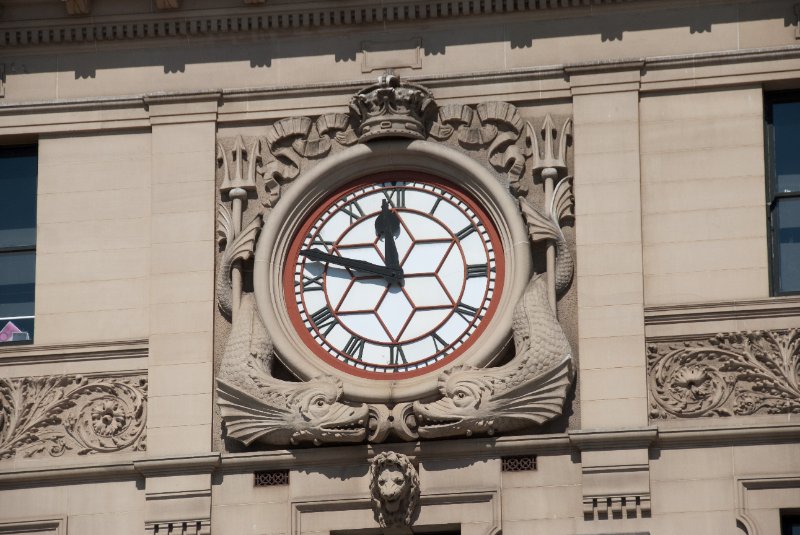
(529, 389)
(732, 374)
(53, 415)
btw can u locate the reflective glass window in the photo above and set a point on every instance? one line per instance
(18, 171)
(790, 525)
(783, 190)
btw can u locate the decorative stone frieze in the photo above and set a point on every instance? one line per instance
(79, 415)
(466, 399)
(731, 374)
(394, 489)
(243, 20)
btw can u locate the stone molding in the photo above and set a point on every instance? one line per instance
(599, 439)
(61, 353)
(203, 463)
(555, 444)
(718, 435)
(80, 414)
(447, 512)
(174, 23)
(54, 526)
(731, 374)
(775, 307)
(128, 112)
(775, 485)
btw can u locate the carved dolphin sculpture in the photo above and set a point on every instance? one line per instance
(531, 388)
(254, 405)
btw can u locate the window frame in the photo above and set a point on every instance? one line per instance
(773, 196)
(789, 519)
(30, 149)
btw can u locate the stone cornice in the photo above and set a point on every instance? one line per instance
(262, 17)
(723, 310)
(599, 439)
(714, 432)
(115, 349)
(565, 72)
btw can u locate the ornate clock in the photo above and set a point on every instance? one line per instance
(393, 290)
(394, 275)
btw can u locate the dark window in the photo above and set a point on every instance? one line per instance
(783, 190)
(17, 242)
(790, 524)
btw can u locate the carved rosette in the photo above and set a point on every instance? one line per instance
(528, 390)
(53, 415)
(732, 374)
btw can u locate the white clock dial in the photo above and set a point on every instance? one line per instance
(393, 277)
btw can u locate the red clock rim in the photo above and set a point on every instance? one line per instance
(389, 176)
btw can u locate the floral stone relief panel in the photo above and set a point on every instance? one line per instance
(50, 416)
(730, 374)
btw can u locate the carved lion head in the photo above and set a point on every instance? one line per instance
(394, 488)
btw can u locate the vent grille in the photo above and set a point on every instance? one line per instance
(519, 463)
(270, 478)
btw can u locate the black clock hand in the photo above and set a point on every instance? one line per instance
(390, 274)
(386, 225)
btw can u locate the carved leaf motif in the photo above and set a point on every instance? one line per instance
(729, 374)
(224, 224)
(55, 414)
(562, 204)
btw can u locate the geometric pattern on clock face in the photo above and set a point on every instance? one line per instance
(449, 265)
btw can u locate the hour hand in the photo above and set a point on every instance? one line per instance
(391, 274)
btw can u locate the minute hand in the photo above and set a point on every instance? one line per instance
(390, 274)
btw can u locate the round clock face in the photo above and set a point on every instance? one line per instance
(394, 276)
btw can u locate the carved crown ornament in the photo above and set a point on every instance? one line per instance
(271, 188)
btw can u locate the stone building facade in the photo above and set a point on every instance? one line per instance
(496, 266)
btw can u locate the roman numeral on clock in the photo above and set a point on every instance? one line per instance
(476, 270)
(355, 347)
(310, 284)
(396, 197)
(464, 232)
(396, 355)
(465, 311)
(435, 205)
(318, 240)
(353, 210)
(324, 320)
(438, 342)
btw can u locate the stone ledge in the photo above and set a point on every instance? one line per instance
(60, 353)
(723, 310)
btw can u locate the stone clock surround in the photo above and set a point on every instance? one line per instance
(310, 189)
